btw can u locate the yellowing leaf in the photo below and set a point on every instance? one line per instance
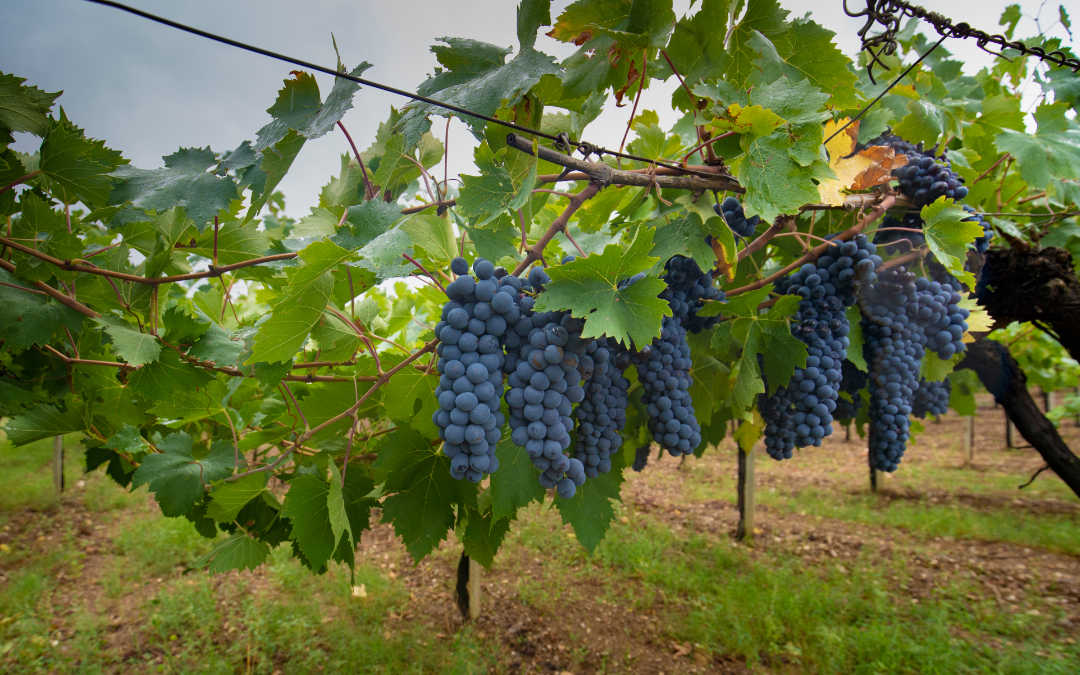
(865, 169)
(978, 321)
(753, 120)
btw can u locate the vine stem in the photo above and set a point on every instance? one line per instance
(637, 99)
(558, 225)
(382, 379)
(818, 251)
(369, 189)
(20, 181)
(55, 294)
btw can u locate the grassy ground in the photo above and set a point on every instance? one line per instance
(947, 569)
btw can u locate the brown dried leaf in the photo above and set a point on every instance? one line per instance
(861, 171)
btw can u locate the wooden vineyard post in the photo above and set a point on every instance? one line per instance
(1010, 432)
(474, 589)
(58, 465)
(745, 530)
(969, 440)
(1048, 399)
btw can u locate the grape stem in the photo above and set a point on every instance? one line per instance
(369, 189)
(818, 251)
(558, 225)
(55, 294)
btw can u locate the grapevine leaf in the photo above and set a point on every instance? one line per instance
(182, 328)
(44, 421)
(935, 369)
(422, 492)
(23, 108)
(299, 107)
(160, 379)
(76, 167)
(238, 552)
(697, 54)
(358, 504)
(306, 505)
(177, 478)
(764, 17)
(1052, 152)
(477, 79)
(532, 14)
(514, 485)
(217, 346)
(714, 226)
(485, 196)
(127, 440)
(276, 162)
(805, 51)
(365, 222)
(965, 383)
(235, 243)
(228, 498)
(410, 395)
(133, 346)
(588, 288)
(948, 236)
(590, 511)
(185, 181)
(482, 536)
(766, 334)
(382, 256)
(434, 235)
(339, 517)
(27, 319)
(855, 338)
(300, 305)
(682, 236)
(924, 123)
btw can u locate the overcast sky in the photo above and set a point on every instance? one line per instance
(148, 89)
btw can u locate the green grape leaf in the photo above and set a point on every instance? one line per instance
(487, 195)
(590, 511)
(24, 108)
(382, 256)
(339, 516)
(301, 304)
(130, 344)
(299, 107)
(235, 243)
(965, 384)
(181, 328)
(410, 395)
(44, 421)
(514, 485)
(948, 236)
(365, 222)
(924, 123)
(483, 535)
(697, 54)
(228, 498)
(238, 552)
(177, 478)
(434, 235)
(711, 225)
(766, 334)
(276, 162)
(422, 494)
(805, 51)
(477, 79)
(358, 504)
(588, 288)
(28, 319)
(185, 181)
(75, 167)
(764, 17)
(778, 167)
(935, 369)
(855, 339)
(217, 346)
(160, 379)
(306, 505)
(127, 440)
(1051, 153)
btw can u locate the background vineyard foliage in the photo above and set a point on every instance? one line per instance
(215, 384)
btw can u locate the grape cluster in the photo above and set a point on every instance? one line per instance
(473, 321)
(801, 413)
(602, 414)
(932, 398)
(983, 242)
(893, 350)
(545, 382)
(688, 290)
(897, 241)
(663, 369)
(852, 381)
(641, 458)
(925, 178)
(732, 213)
(943, 321)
